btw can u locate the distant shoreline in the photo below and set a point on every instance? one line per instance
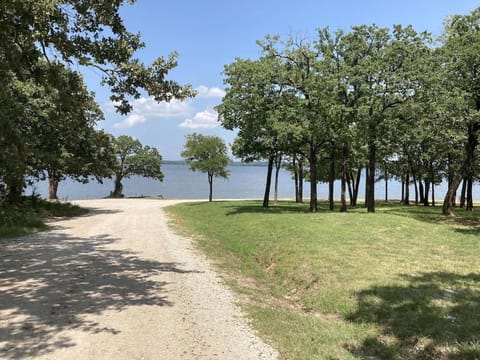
(233, 163)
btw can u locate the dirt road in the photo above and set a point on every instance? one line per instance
(117, 284)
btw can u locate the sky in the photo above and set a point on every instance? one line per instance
(210, 34)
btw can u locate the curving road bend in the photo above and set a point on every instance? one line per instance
(117, 284)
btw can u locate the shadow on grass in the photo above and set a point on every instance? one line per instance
(50, 282)
(435, 316)
(431, 214)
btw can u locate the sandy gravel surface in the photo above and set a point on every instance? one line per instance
(117, 284)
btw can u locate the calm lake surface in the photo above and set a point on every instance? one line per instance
(244, 182)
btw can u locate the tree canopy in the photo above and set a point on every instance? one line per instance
(207, 154)
(381, 99)
(134, 159)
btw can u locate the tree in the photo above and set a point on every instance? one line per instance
(462, 63)
(134, 159)
(76, 33)
(207, 154)
(383, 74)
(255, 104)
(66, 143)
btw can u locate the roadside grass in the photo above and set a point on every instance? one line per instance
(29, 216)
(403, 283)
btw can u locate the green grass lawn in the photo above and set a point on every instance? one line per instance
(403, 283)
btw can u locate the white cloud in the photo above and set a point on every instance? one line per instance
(207, 119)
(206, 92)
(147, 108)
(130, 121)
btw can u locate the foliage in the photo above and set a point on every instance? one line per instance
(398, 285)
(40, 43)
(28, 215)
(207, 154)
(132, 158)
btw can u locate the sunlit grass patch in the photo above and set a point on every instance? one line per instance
(401, 283)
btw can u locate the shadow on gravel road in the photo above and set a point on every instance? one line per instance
(49, 282)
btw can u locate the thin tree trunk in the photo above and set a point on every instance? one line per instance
(278, 163)
(301, 177)
(433, 194)
(266, 196)
(386, 186)
(210, 183)
(407, 189)
(366, 185)
(402, 198)
(415, 186)
(420, 190)
(295, 175)
(313, 179)
(331, 180)
(343, 198)
(427, 192)
(349, 187)
(463, 193)
(469, 206)
(343, 187)
(356, 186)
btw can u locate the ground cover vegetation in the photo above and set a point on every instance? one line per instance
(400, 284)
(392, 102)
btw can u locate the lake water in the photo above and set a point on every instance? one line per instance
(244, 182)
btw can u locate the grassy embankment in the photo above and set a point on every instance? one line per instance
(403, 283)
(29, 216)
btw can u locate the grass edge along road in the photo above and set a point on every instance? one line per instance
(30, 215)
(402, 283)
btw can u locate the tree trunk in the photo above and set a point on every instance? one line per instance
(343, 198)
(366, 185)
(349, 187)
(407, 189)
(301, 177)
(420, 190)
(469, 199)
(433, 194)
(415, 187)
(117, 191)
(343, 186)
(356, 187)
(210, 183)
(427, 192)
(463, 193)
(447, 208)
(331, 181)
(402, 197)
(386, 187)
(15, 185)
(278, 163)
(52, 186)
(266, 196)
(313, 178)
(295, 176)
(466, 169)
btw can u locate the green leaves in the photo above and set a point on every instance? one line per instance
(207, 154)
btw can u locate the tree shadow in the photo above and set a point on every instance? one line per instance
(51, 282)
(435, 316)
(464, 222)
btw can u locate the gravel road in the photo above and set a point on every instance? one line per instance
(117, 284)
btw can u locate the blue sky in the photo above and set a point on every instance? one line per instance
(211, 33)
